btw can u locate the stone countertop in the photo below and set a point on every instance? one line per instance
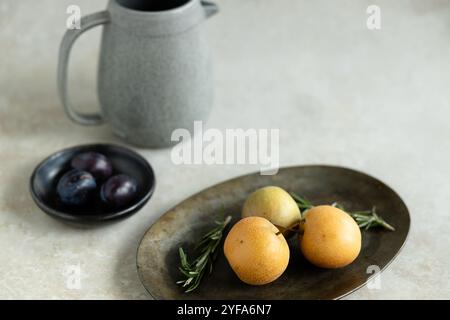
(377, 101)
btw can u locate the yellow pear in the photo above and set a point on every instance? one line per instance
(274, 204)
(331, 238)
(255, 252)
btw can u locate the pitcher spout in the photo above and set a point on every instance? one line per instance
(210, 8)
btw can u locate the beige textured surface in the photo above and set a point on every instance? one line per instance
(341, 94)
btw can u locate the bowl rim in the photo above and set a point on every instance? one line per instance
(92, 218)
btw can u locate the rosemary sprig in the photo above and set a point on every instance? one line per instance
(365, 219)
(369, 218)
(195, 271)
(302, 203)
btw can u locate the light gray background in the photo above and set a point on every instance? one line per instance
(377, 101)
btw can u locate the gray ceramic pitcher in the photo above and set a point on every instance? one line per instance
(155, 72)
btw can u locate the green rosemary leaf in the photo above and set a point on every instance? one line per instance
(183, 271)
(365, 219)
(302, 203)
(183, 259)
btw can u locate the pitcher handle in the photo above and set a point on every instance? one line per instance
(69, 38)
(210, 8)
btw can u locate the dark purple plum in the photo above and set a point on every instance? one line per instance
(119, 190)
(76, 187)
(95, 163)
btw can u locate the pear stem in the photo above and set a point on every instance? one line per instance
(297, 228)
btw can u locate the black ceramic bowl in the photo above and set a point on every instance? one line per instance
(46, 175)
